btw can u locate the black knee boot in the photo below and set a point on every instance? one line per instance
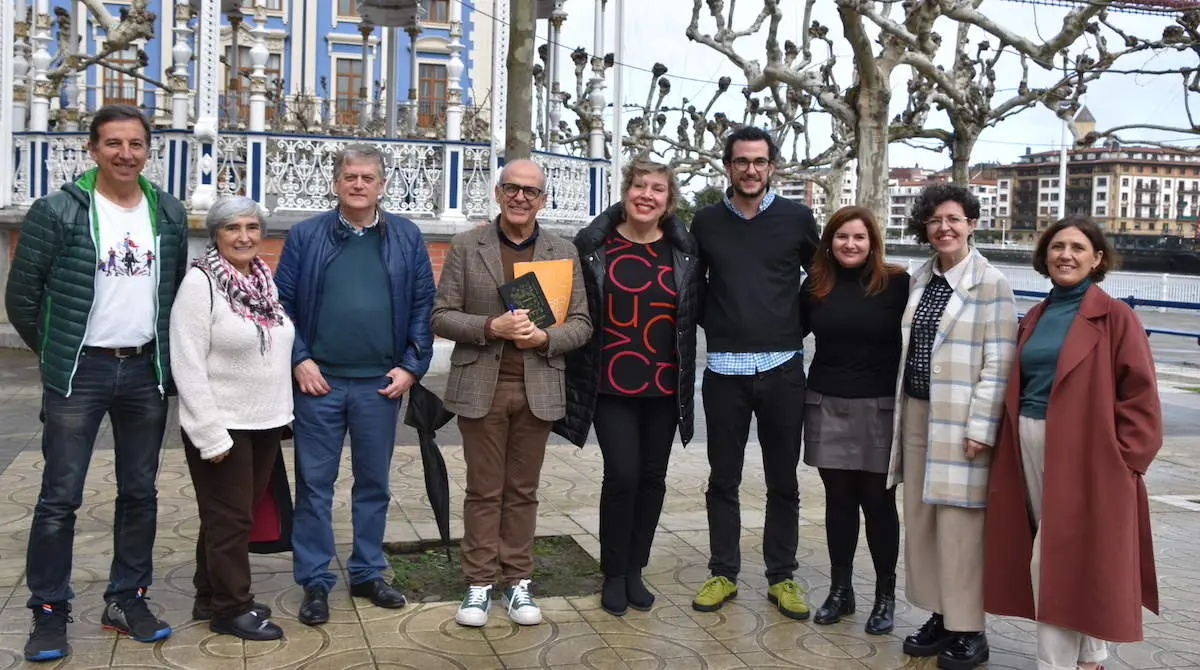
(840, 601)
(882, 618)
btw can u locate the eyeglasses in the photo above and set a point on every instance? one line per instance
(743, 163)
(511, 190)
(952, 220)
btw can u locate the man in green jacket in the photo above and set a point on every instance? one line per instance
(90, 291)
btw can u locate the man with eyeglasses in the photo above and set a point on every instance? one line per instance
(507, 386)
(358, 283)
(753, 246)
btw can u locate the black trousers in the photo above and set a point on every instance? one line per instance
(847, 491)
(776, 400)
(635, 436)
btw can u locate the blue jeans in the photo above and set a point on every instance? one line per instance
(126, 389)
(321, 424)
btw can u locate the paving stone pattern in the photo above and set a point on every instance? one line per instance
(576, 632)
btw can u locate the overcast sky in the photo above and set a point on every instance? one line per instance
(655, 32)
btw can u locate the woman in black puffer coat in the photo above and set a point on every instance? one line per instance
(634, 380)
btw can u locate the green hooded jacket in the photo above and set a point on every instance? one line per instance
(53, 278)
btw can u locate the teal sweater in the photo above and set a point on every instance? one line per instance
(1039, 356)
(354, 324)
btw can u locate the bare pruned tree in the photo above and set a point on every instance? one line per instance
(887, 38)
(132, 26)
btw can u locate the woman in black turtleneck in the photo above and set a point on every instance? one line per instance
(852, 302)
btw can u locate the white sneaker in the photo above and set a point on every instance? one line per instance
(475, 607)
(520, 605)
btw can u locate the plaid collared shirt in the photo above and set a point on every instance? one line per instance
(354, 229)
(748, 363)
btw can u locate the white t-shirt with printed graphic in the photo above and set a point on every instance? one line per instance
(126, 276)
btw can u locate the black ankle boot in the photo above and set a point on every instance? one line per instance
(612, 596)
(840, 601)
(639, 596)
(882, 619)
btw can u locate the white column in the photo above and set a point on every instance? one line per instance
(20, 65)
(181, 53)
(414, 74)
(40, 108)
(364, 91)
(500, 14)
(553, 100)
(618, 129)
(1062, 173)
(596, 132)
(454, 73)
(258, 74)
(7, 36)
(207, 103)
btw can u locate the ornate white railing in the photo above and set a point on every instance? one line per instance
(294, 173)
(568, 187)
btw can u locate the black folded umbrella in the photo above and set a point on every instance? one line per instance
(426, 413)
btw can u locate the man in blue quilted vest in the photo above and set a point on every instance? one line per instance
(90, 292)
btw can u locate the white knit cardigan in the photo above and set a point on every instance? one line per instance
(224, 382)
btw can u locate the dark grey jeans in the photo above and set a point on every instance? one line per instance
(125, 389)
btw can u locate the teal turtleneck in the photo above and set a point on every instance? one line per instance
(1039, 356)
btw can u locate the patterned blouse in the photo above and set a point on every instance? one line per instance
(924, 332)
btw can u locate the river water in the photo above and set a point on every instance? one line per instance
(1142, 285)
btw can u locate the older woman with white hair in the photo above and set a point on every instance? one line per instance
(231, 347)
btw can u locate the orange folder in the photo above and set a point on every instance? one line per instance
(555, 278)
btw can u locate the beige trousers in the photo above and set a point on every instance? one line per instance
(943, 545)
(1058, 648)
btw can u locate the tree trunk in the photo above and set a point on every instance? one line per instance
(960, 156)
(871, 148)
(519, 110)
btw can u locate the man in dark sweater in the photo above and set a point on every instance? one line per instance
(358, 284)
(753, 246)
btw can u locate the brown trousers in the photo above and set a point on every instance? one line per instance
(943, 544)
(504, 451)
(225, 494)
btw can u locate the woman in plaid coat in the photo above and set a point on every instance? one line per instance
(959, 330)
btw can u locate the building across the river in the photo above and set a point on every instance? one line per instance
(1141, 195)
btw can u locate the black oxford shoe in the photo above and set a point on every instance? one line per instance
(203, 612)
(315, 608)
(930, 640)
(966, 651)
(380, 593)
(249, 626)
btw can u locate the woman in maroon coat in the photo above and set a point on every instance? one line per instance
(1067, 508)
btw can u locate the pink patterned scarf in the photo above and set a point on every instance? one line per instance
(250, 296)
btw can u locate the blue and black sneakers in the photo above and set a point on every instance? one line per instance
(48, 637)
(132, 617)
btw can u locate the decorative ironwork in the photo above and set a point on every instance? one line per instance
(231, 165)
(568, 187)
(477, 181)
(300, 172)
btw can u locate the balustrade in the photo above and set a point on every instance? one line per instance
(294, 173)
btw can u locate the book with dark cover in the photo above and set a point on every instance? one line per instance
(525, 292)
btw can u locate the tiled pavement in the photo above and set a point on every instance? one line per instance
(576, 633)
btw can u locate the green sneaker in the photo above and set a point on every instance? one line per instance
(788, 596)
(713, 594)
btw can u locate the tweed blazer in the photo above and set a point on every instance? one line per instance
(468, 295)
(969, 367)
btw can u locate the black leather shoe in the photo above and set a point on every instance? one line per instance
(249, 626)
(202, 612)
(930, 640)
(839, 602)
(639, 596)
(315, 608)
(966, 651)
(380, 593)
(883, 614)
(612, 596)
